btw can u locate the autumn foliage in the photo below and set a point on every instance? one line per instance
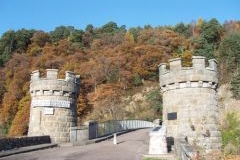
(111, 60)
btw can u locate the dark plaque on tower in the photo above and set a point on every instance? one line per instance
(172, 116)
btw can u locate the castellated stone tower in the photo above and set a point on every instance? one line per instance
(190, 108)
(53, 105)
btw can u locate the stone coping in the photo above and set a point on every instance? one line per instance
(184, 150)
(27, 149)
(10, 143)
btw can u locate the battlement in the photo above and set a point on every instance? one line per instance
(190, 107)
(52, 75)
(51, 85)
(53, 104)
(199, 75)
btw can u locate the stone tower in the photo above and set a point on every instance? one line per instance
(190, 108)
(53, 105)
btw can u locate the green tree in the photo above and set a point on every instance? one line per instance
(89, 28)
(148, 26)
(122, 28)
(209, 39)
(110, 27)
(7, 46)
(203, 48)
(211, 31)
(235, 86)
(60, 32)
(4, 58)
(155, 99)
(76, 36)
(229, 56)
(182, 29)
(22, 39)
(7, 42)
(229, 51)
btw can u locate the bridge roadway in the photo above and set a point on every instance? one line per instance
(131, 146)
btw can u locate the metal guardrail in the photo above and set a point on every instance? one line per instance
(100, 129)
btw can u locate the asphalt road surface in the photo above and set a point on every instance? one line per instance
(130, 146)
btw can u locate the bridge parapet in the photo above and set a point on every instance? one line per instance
(101, 129)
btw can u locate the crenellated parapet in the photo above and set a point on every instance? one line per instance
(53, 104)
(51, 85)
(190, 107)
(197, 76)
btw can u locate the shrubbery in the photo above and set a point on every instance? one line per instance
(231, 134)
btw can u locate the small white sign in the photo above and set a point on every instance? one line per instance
(49, 111)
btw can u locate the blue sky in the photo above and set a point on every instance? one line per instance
(47, 14)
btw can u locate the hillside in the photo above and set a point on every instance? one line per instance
(117, 65)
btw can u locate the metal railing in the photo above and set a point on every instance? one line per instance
(100, 129)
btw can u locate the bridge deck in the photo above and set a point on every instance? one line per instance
(131, 146)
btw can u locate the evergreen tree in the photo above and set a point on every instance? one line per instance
(235, 86)
(23, 39)
(7, 46)
(182, 29)
(203, 48)
(155, 99)
(229, 56)
(60, 32)
(211, 31)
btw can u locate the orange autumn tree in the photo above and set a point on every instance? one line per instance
(20, 122)
(111, 60)
(107, 103)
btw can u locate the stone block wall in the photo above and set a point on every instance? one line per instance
(53, 105)
(11, 143)
(79, 134)
(56, 125)
(190, 106)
